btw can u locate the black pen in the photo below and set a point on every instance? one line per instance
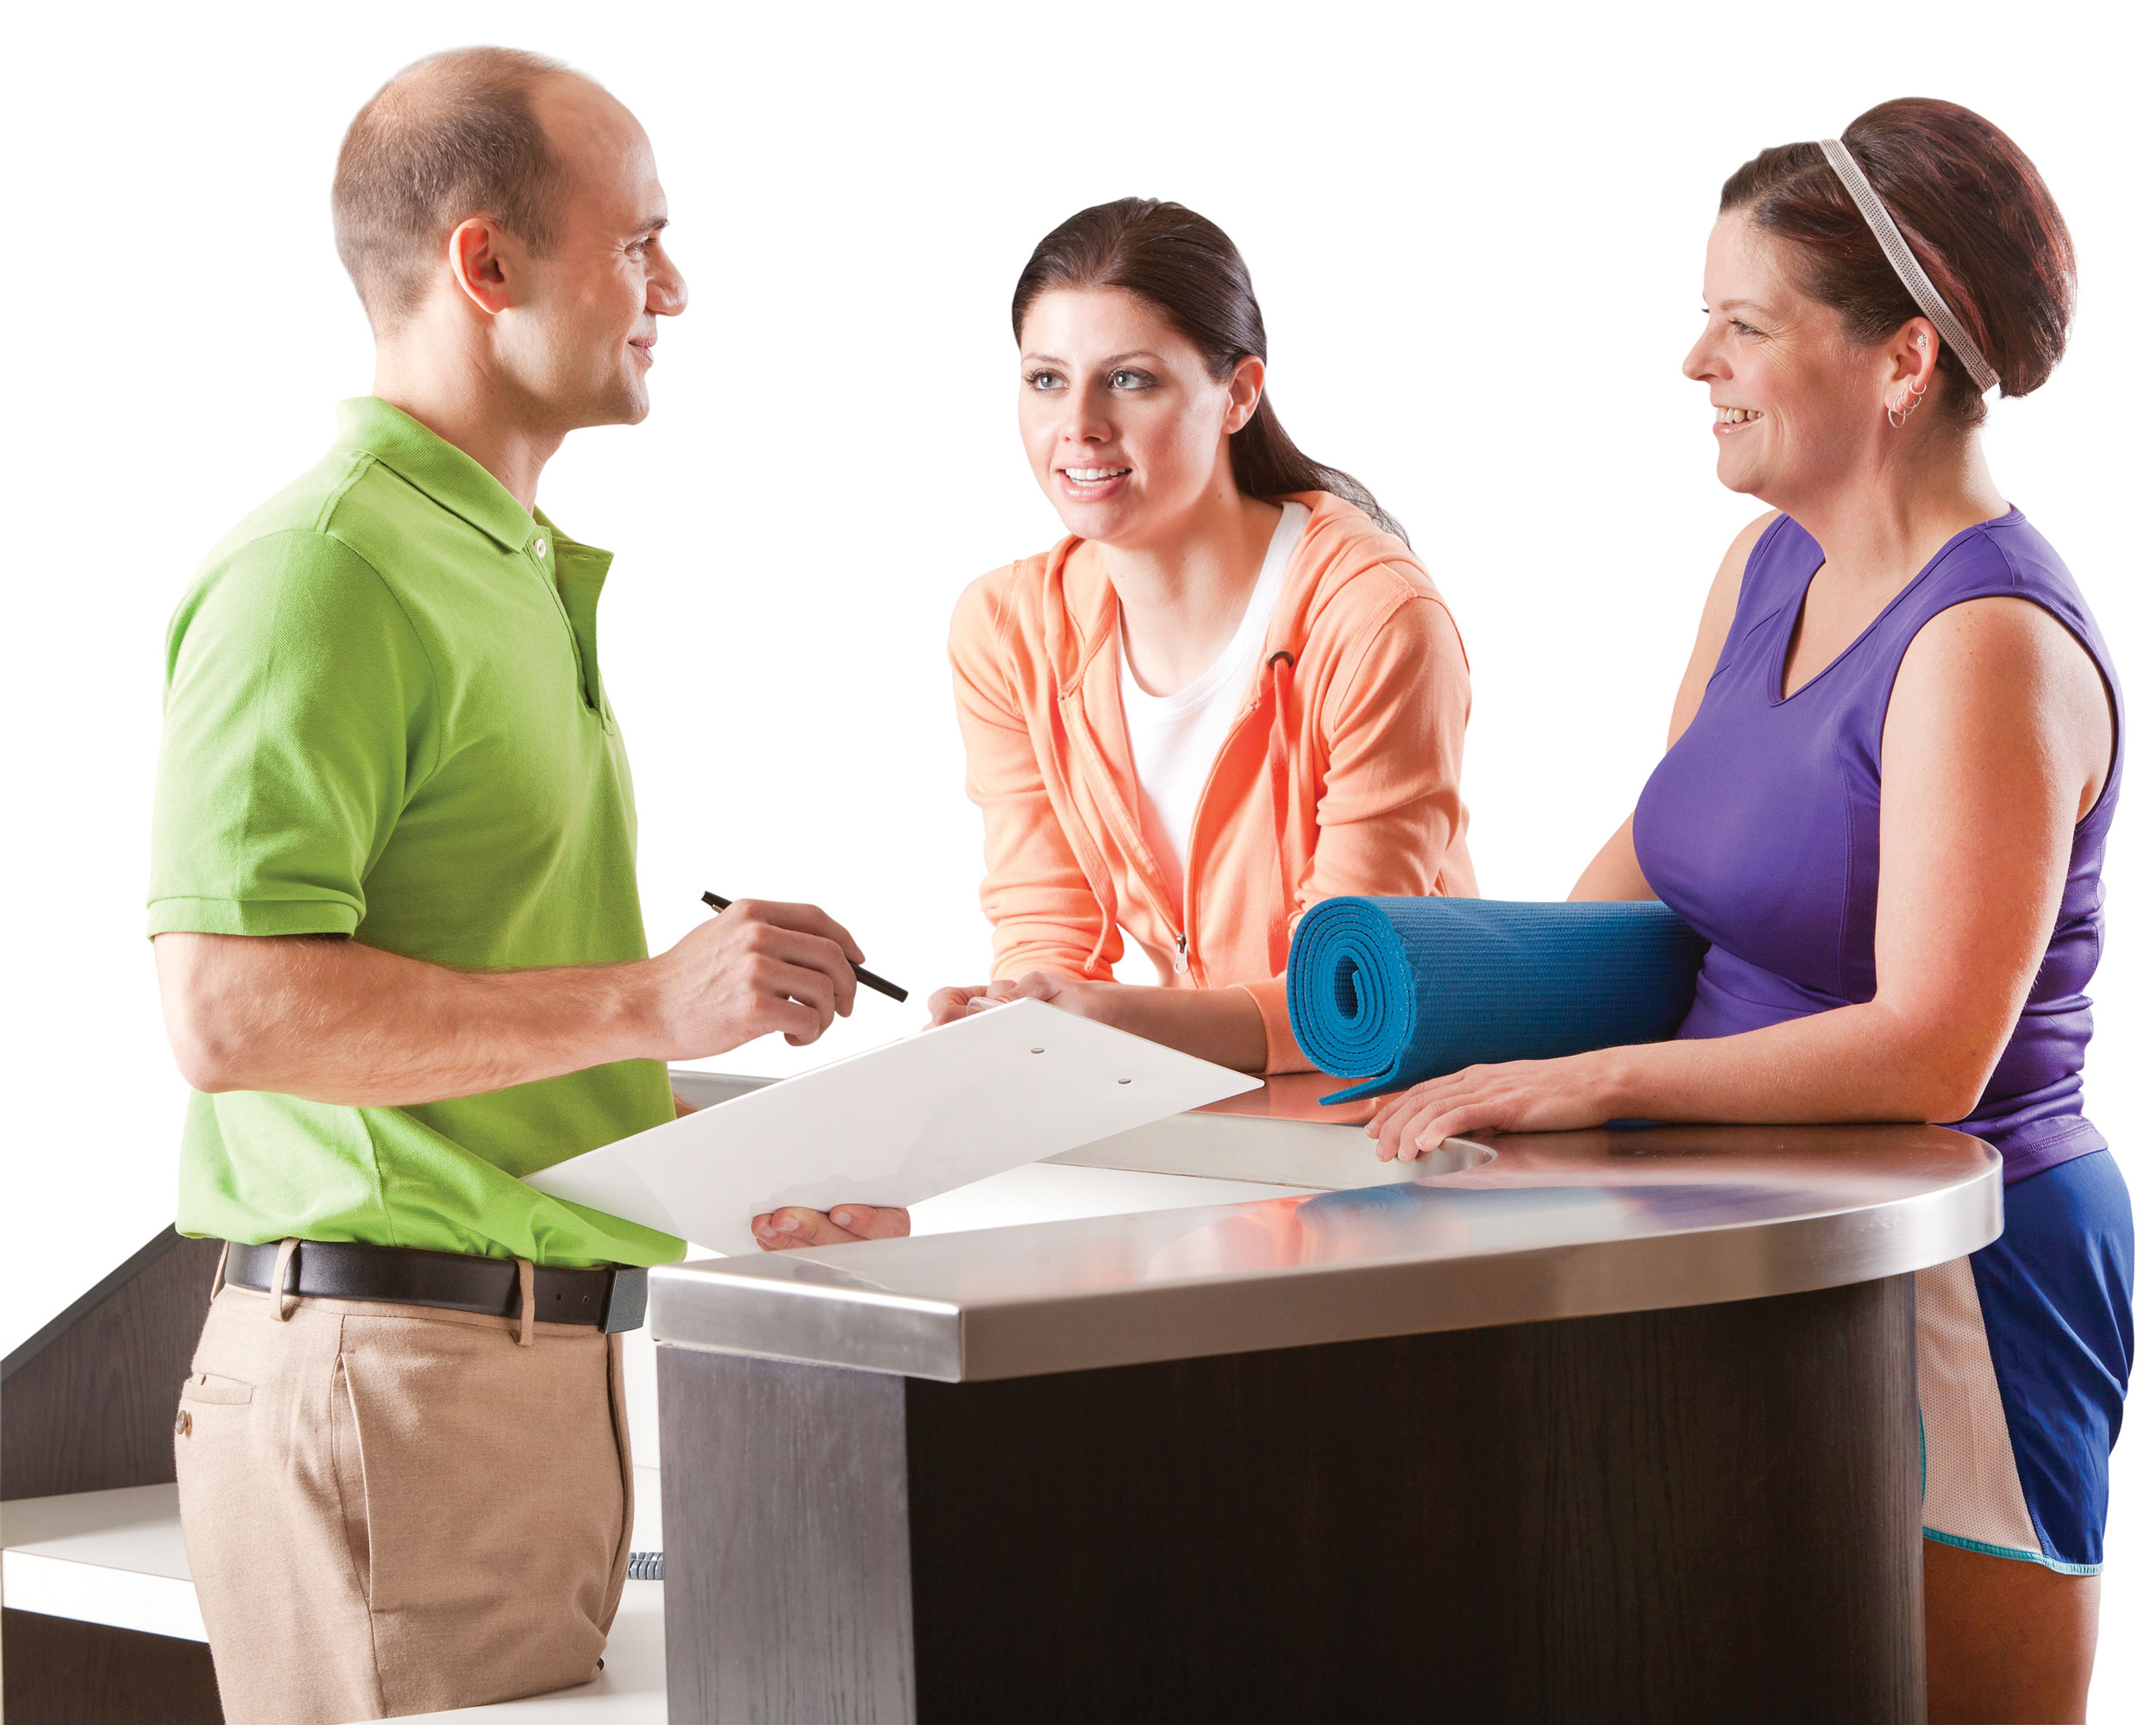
(866, 978)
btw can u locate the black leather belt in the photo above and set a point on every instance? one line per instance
(612, 1299)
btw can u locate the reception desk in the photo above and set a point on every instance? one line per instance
(1602, 1425)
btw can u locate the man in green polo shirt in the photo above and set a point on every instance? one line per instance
(394, 900)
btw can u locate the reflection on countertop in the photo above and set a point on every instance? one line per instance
(1513, 1229)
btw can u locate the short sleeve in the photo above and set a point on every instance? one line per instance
(298, 723)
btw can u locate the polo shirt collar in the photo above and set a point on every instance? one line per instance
(436, 467)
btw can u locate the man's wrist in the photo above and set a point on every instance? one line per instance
(628, 1018)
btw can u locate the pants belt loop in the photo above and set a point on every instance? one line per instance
(286, 1302)
(216, 1282)
(523, 1287)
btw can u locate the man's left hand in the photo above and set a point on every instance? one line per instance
(785, 1230)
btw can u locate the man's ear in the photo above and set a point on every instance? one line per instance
(486, 260)
(1245, 388)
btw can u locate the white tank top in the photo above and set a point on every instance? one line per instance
(1174, 739)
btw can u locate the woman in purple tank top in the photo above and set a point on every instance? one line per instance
(1893, 764)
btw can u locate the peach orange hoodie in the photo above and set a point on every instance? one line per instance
(1342, 773)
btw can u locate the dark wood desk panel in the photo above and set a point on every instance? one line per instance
(1613, 1426)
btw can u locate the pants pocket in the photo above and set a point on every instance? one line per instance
(206, 1387)
(349, 1468)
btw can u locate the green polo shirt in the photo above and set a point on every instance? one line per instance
(383, 720)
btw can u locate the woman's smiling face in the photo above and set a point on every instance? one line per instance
(1797, 404)
(1125, 427)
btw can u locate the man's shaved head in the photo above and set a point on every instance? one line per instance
(455, 135)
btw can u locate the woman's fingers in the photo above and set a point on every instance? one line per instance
(1438, 1127)
(1408, 1142)
(1034, 985)
(946, 1006)
(1393, 1108)
(1417, 1121)
(1391, 1125)
(1389, 1105)
(1403, 1122)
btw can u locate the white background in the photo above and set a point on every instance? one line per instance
(1477, 241)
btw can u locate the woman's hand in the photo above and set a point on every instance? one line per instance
(1221, 1024)
(784, 1230)
(1516, 1095)
(1087, 999)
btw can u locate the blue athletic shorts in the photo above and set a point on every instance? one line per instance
(2022, 1355)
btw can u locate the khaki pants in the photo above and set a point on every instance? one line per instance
(393, 1509)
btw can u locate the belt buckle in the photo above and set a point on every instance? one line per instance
(626, 1290)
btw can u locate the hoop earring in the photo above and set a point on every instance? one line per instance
(1898, 415)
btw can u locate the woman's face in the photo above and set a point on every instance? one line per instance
(1126, 428)
(1797, 405)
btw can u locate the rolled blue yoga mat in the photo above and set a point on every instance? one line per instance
(1394, 991)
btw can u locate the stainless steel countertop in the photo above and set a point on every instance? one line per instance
(1558, 1225)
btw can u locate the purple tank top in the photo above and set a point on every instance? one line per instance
(1761, 827)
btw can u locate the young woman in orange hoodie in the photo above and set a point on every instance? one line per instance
(1231, 691)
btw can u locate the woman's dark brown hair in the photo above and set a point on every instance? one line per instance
(1179, 263)
(1974, 210)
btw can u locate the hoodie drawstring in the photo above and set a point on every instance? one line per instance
(1278, 759)
(1111, 913)
(1100, 877)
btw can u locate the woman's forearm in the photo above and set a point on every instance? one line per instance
(1220, 1025)
(1861, 1062)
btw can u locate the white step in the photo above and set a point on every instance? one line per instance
(117, 1558)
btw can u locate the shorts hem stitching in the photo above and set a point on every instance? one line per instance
(2057, 1565)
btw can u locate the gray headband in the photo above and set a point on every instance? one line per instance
(1905, 265)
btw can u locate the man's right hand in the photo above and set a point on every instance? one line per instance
(753, 968)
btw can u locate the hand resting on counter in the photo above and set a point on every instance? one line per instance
(1221, 1024)
(1511, 1095)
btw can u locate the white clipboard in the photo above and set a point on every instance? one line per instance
(1000, 1088)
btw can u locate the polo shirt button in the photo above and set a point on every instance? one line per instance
(539, 548)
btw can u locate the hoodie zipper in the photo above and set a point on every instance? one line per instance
(1135, 842)
(1190, 872)
(1132, 841)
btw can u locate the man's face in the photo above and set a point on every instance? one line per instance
(580, 341)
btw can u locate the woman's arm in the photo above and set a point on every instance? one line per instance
(1041, 906)
(1045, 914)
(1615, 871)
(1220, 1025)
(1997, 740)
